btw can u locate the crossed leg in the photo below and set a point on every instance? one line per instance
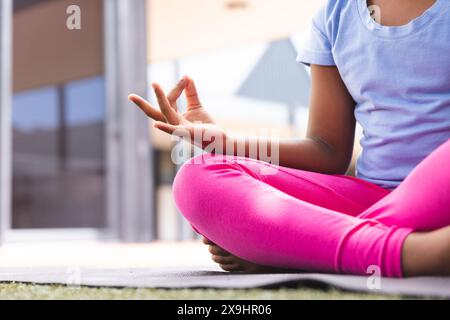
(303, 220)
(332, 192)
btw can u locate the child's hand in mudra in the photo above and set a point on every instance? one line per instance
(170, 120)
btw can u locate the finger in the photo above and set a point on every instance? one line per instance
(218, 251)
(223, 260)
(166, 127)
(176, 93)
(191, 94)
(169, 113)
(147, 108)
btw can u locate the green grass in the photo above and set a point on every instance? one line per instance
(32, 291)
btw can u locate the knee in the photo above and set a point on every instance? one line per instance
(193, 186)
(189, 171)
(197, 168)
(185, 176)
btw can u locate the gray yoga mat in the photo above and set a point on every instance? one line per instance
(172, 278)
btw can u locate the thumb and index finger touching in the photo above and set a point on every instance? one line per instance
(168, 108)
(167, 118)
(187, 85)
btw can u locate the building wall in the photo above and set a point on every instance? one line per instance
(47, 53)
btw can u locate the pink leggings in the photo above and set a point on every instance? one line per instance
(310, 221)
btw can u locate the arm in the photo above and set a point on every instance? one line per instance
(328, 144)
(327, 147)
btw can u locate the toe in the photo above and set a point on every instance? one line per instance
(231, 267)
(223, 260)
(207, 241)
(218, 251)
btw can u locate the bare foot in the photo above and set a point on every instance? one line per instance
(229, 262)
(427, 254)
(424, 254)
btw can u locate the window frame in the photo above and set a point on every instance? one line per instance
(5, 115)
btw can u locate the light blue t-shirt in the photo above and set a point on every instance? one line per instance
(399, 78)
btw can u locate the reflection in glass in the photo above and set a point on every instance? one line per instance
(58, 156)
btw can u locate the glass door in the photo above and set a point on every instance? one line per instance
(75, 155)
(58, 117)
